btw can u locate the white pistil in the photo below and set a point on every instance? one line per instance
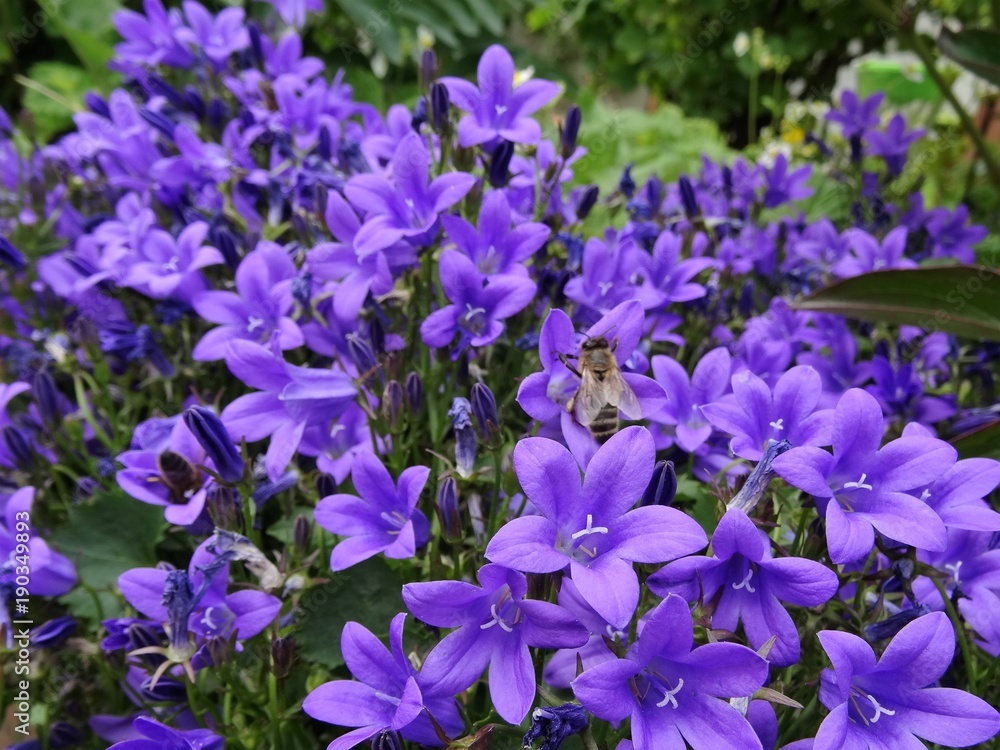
(171, 265)
(591, 529)
(879, 710)
(206, 619)
(497, 620)
(605, 287)
(408, 202)
(859, 485)
(613, 634)
(925, 494)
(253, 323)
(668, 697)
(954, 570)
(396, 518)
(778, 424)
(745, 584)
(473, 311)
(500, 108)
(387, 698)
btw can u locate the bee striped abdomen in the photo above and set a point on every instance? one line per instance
(605, 424)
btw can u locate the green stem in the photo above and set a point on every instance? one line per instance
(752, 108)
(963, 640)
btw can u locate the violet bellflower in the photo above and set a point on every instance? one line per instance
(497, 108)
(385, 517)
(211, 434)
(294, 12)
(889, 703)
(589, 527)
(861, 488)
(290, 399)
(479, 304)
(854, 115)
(750, 585)
(465, 436)
(893, 144)
(261, 304)
(216, 37)
(388, 693)
(496, 248)
(867, 254)
(496, 625)
(675, 693)
(545, 395)
(156, 736)
(149, 39)
(561, 669)
(168, 267)
(686, 395)
(407, 204)
(755, 413)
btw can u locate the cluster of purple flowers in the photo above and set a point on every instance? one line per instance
(402, 307)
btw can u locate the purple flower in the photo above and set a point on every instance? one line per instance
(562, 667)
(860, 488)
(167, 267)
(496, 625)
(754, 414)
(685, 396)
(888, 703)
(673, 692)
(951, 235)
(293, 12)
(497, 109)
(608, 267)
(667, 277)
(590, 527)
(479, 303)
(496, 248)
(866, 254)
(750, 585)
(855, 116)
(389, 694)
(893, 144)
(217, 37)
(406, 205)
(260, 305)
(291, 398)
(384, 519)
(149, 39)
(157, 736)
(782, 186)
(901, 393)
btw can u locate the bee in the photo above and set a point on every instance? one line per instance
(603, 391)
(178, 475)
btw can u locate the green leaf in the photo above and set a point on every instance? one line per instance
(109, 535)
(981, 442)
(369, 593)
(459, 15)
(374, 21)
(54, 92)
(487, 14)
(963, 300)
(976, 50)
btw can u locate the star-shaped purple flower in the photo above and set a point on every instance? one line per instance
(862, 488)
(749, 585)
(673, 692)
(589, 527)
(686, 396)
(855, 116)
(384, 519)
(496, 625)
(893, 144)
(754, 414)
(167, 267)
(889, 704)
(156, 736)
(866, 254)
(496, 108)
(217, 37)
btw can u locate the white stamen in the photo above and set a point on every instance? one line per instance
(954, 569)
(408, 202)
(859, 485)
(253, 323)
(778, 424)
(473, 311)
(497, 620)
(925, 494)
(171, 265)
(591, 529)
(605, 287)
(669, 696)
(500, 108)
(336, 429)
(612, 633)
(745, 583)
(879, 710)
(207, 620)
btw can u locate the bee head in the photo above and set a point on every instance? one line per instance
(598, 342)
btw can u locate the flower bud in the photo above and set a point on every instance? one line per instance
(282, 656)
(499, 171)
(97, 104)
(570, 131)
(428, 67)
(364, 359)
(440, 106)
(218, 113)
(256, 47)
(484, 409)
(626, 184)
(688, 198)
(53, 633)
(194, 101)
(223, 504)
(325, 485)
(212, 435)
(11, 256)
(553, 724)
(302, 532)
(587, 202)
(662, 486)
(887, 628)
(419, 116)
(324, 148)
(414, 392)
(392, 403)
(447, 509)
(46, 398)
(166, 690)
(20, 449)
(755, 486)
(465, 436)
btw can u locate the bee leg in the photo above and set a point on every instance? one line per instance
(565, 360)
(614, 344)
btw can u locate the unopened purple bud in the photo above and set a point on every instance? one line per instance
(53, 633)
(221, 237)
(746, 303)
(223, 504)
(326, 485)
(97, 104)
(419, 114)
(755, 486)
(387, 740)
(159, 121)
(166, 690)
(364, 359)
(654, 193)
(325, 147)
(587, 202)
(553, 724)
(195, 101)
(447, 509)
(46, 398)
(255, 43)
(499, 171)
(141, 635)
(212, 435)
(157, 85)
(11, 256)
(282, 656)
(440, 105)
(889, 627)
(688, 198)
(465, 436)
(392, 403)
(571, 131)
(428, 67)
(20, 449)
(484, 409)
(217, 113)
(626, 184)
(414, 392)
(662, 486)
(302, 532)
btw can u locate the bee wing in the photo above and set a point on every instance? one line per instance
(622, 395)
(590, 399)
